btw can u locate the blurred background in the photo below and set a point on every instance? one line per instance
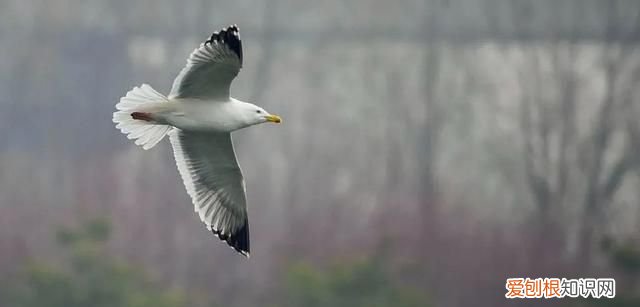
(429, 150)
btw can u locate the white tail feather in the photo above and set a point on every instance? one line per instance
(147, 134)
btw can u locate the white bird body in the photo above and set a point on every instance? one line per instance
(194, 114)
(199, 115)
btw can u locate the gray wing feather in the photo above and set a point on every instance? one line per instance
(211, 174)
(211, 67)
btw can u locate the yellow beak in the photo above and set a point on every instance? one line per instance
(273, 118)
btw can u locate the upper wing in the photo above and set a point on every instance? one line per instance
(211, 67)
(208, 166)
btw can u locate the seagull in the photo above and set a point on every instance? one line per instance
(199, 116)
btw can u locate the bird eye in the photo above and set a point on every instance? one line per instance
(258, 111)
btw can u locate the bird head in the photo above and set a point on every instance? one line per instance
(262, 116)
(252, 114)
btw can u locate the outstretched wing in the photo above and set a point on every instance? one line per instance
(211, 67)
(210, 172)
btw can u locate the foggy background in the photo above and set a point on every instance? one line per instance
(429, 150)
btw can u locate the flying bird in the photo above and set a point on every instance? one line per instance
(199, 116)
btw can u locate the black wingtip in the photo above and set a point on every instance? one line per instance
(229, 36)
(239, 240)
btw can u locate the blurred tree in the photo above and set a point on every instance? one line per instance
(567, 162)
(363, 283)
(87, 277)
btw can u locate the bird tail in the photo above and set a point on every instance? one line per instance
(132, 120)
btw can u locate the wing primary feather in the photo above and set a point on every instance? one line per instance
(239, 240)
(229, 36)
